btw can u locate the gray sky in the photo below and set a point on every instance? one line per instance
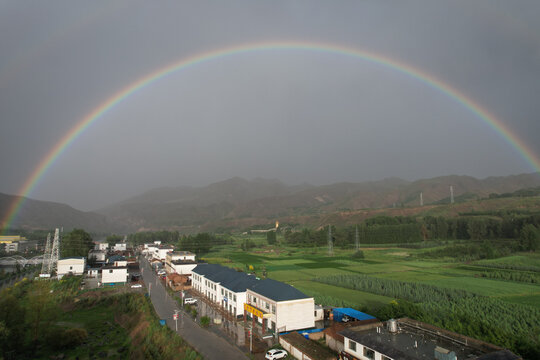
(293, 115)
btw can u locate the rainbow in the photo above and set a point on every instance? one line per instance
(429, 80)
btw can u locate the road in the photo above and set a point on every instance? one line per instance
(205, 342)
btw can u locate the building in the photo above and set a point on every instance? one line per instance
(120, 247)
(407, 339)
(161, 251)
(115, 274)
(180, 262)
(97, 255)
(101, 246)
(279, 307)
(223, 286)
(73, 265)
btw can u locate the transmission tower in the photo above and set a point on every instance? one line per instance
(46, 255)
(55, 252)
(357, 240)
(451, 194)
(330, 242)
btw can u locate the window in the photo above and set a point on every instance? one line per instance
(370, 354)
(273, 309)
(221, 291)
(110, 271)
(352, 345)
(71, 268)
(385, 357)
(234, 297)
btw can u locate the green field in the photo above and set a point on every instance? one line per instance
(299, 267)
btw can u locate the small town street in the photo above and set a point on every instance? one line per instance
(210, 345)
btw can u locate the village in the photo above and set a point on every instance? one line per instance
(270, 318)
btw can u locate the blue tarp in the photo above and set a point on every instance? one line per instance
(355, 314)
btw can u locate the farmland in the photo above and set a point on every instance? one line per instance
(468, 297)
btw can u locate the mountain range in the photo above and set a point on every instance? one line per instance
(238, 203)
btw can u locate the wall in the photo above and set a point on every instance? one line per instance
(117, 276)
(295, 314)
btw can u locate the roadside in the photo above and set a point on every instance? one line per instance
(206, 342)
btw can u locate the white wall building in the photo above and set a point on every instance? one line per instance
(73, 265)
(114, 275)
(101, 246)
(160, 252)
(97, 255)
(180, 262)
(224, 286)
(279, 307)
(120, 247)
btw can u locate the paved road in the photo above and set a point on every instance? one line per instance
(205, 342)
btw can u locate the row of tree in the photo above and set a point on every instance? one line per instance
(406, 230)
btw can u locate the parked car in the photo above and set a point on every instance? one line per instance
(190, 301)
(276, 354)
(136, 286)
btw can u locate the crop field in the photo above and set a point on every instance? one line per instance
(301, 266)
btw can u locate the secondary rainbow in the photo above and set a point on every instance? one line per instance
(429, 80)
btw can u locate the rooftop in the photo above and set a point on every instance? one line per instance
(414, 341)
(277, 290)
(228, 278)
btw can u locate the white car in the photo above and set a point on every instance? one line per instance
(136, 286)
(190, 301)
(276, 354)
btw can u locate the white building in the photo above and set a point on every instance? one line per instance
(97, 255)
(224, 286)
(161, 251)
(120, 247)
(279, 307)
(112, 275)
(73, 265)
(180, 262)
(101, 246)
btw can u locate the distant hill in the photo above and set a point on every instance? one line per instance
(238, 202)
(35, 214)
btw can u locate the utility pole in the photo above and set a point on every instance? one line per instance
(330, 242)
(175, 317)
(55, 252)
(421, 200)
(451, 194)
(46, 255)
(357, 240)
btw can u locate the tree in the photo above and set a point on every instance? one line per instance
(271, 237)
(76, 243)
(113, 239)
(529, 238)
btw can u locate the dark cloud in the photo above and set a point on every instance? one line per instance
(294, 115)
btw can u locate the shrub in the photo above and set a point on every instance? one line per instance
(205, 321)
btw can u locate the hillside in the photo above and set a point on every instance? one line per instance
(240, 203)
(35, 214)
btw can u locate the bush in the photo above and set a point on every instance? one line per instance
(358, 255)
(205, 321)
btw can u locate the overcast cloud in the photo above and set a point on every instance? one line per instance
(293, 115)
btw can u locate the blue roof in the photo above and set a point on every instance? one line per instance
(353, 313)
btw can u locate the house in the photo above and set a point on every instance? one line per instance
(407, 339)
(97, 255)
(302, 348)
(179, 282)
(279, 307)
(223, 286)
(115, 274)
(161, 251)
(180, 262)
(120, 247)
(101, 246)
(148, 248)
(72, 265)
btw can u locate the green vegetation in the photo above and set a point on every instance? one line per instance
(76, 243)
(43, 318)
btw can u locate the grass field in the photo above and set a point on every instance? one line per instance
(299, 267)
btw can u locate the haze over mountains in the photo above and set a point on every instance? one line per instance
(238, 202)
